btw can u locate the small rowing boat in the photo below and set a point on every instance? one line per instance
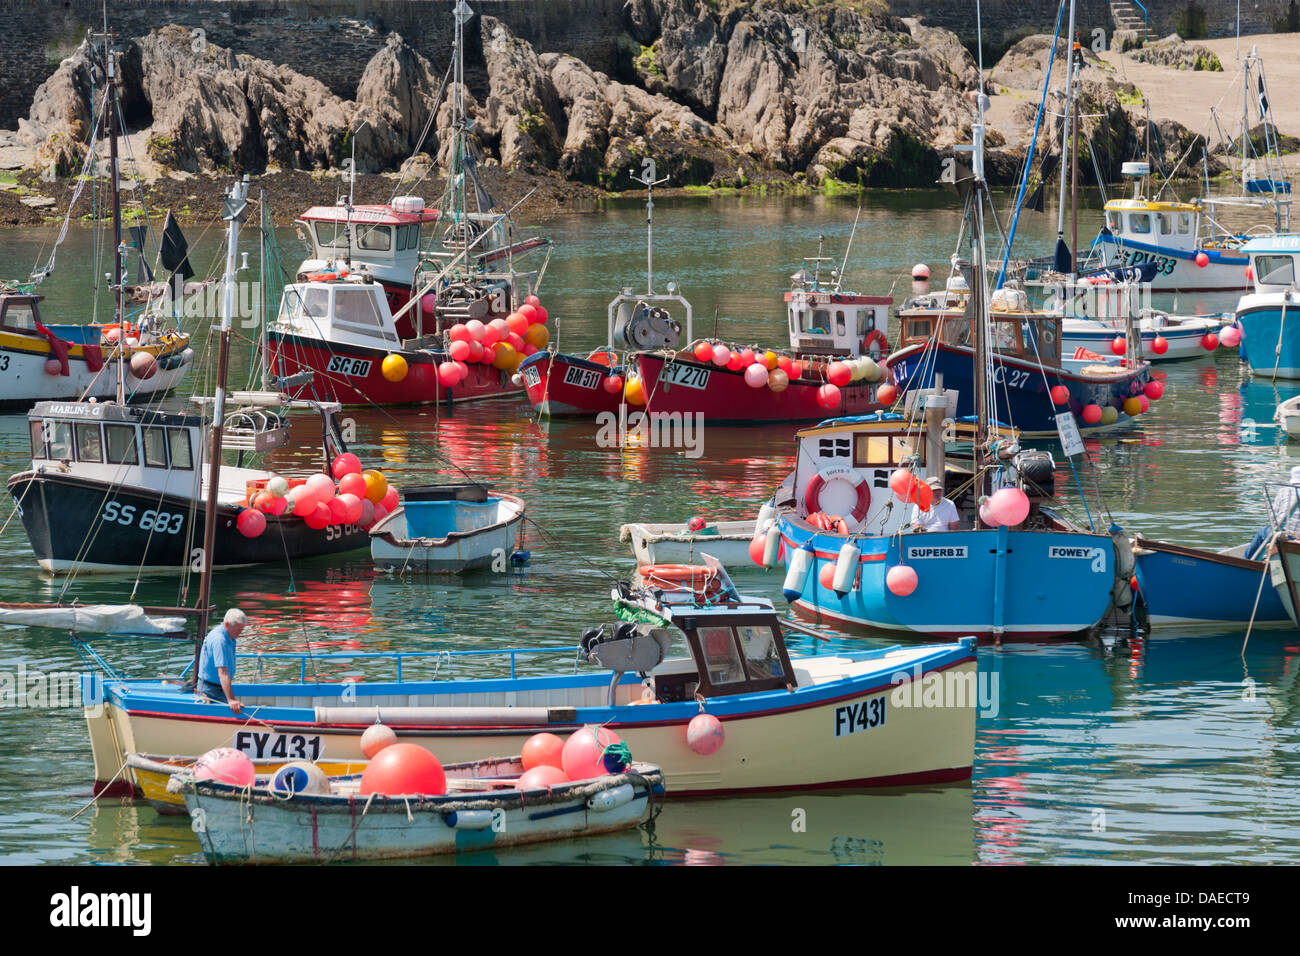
(448, 528)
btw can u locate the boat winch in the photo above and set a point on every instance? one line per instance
(646, 327)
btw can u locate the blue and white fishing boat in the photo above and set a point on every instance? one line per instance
(852, 548)
(1269, 316)
(1181, 585)
(837, 719)
(448, 528)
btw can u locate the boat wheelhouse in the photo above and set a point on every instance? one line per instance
(120, 488)
(1269, 343)
(833, 719)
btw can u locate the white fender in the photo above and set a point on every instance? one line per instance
(846, 569)
(766, 515)
(772, 546)
(797, 574)
(611, 798)
(468, 819)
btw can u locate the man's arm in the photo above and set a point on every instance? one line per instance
(224, 674)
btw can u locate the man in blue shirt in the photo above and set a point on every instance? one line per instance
(217, 659)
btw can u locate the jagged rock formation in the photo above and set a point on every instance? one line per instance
(1174, 51)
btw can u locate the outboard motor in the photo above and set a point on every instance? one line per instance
(1036, 473)
(647, 327)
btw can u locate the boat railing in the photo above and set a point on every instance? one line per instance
(440, 658)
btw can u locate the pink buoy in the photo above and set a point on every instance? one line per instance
(250, 522)
(1154, 390)
(756, 546)
(225, 765)
(696, 524)
(613, 384)
(1230, 336)
(901, 580)
(705, 735)
(391, 499)
(1092, 414)
(53, 367)
(353, 484)
(376, 738)
(1160, 345)
(352, 504)
(143, 365)
(839, 374)
(1008, 506)
(826, 575)
(721, 356)
(1202, 260)
(448, 374)
(346, 464)
(1144, 403)
(542, 778)
(920, 271)
(318, 518)
(583, 753)
(887, 394)
(736, 361)
(338, 510)
(321, 486)
(1060, 394)
(542, 750)
(756, 375)
(1209, 341)
(367, 513)
(532, 300)
(828, 396)
(459, 350)
(459, 333)
(1119, 345)
(401, 769)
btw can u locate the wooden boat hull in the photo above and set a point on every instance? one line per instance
(995, 584)
(1021, 384)
(808, 738)
(77, 524)
(568, 386)
(1270, 334)
(235, 826)
(352, 374)
(152, 775)
(24, 380)
(480, 541)
(674, 544)
(1190, 586)
(1178, 272)
(1284, 573)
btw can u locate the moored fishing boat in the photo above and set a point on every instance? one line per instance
(648, 366)
(481, 810)
(1270, 334)
(153, 776)
(1288, 416)
(1181, 585)
(448, 528)
(678, 543)
(828, 720)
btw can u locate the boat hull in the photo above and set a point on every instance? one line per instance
(567, 386)
(1183, 343)
(673, 544)
(1284, 574)
(1190, 586)
(1021, 384)
(474, 546)
(240, 827)
(1178, 271)
(24, 380)
(799, 739)
(353, 374)
(1270, 335)
(77, 524)
(995, 584)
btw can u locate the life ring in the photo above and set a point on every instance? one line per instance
(873, 337)
(694, 577)
(812, 493)
(326, 276)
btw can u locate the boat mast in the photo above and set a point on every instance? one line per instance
(1074, 171)
(1061, 251)
(119, 304)
(234, 209)
(980, 339)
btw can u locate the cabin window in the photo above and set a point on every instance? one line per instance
(330, 234)
(121, 444)
(720, 656)
(316, 302)
(375, 239)
(1166, 223)
(762, 659)
(821, 321)
(59, 437)
(918, 329)
(871, 450)
(90, 442)
(38, 437)
(1140, 222)
(408, 237)
(358, 306)
(1004, 335)
(20, 315)
(1184, 223)
(401, 238)
(1114, 221)
(1275, 270)
(178, 446)
(840, 327)
(903, 448)
(155, 447)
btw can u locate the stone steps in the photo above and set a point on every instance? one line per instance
(1128, 16)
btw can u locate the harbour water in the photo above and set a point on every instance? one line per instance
(1182, 747)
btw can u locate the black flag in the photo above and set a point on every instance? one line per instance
(1263, 100)
(143, 273)
(174, 254)
(1035, 200)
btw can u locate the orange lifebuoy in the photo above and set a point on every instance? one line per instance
(873, 337)
(824, 522)
(812, 493)
(695, 577)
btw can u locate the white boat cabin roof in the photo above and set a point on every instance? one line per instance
(1274, 262)
(831, 322)
(347, 311)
